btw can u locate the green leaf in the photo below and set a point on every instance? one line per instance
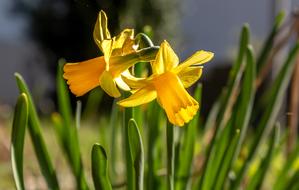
(184, 168)
(100, 168)
(63, 97)
(93, 103)
(130, 175)
(226, 103)
(154, 112)
(170, 155)
(257, 180)
(143, 41)
(281, 180)
(37, 138)
(268, 45)
(137, 154)
(240, 117)
(273, 105)
(66, 128)
(17, 139)
(113, 132)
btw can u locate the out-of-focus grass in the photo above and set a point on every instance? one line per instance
(32, 175)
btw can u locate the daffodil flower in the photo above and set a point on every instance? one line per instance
(168, 83)
(120, 53)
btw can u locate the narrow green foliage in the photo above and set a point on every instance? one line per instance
(234, 78)
(100, 168)
(257, 180)
(226, 103)
(17, 139)
(185, 158)
(127, 115)
(240, 116)
(93, 102)
(153, 133)
(274, 103)
(63, 96)
(281, 180)
(268, 45)
(170, 155)
(137, 153)
(37, 138)
(66, 128)
(113, 131)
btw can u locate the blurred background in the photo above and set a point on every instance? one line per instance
(34, 34)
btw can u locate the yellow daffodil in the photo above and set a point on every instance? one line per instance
(168, 83)
(119, 54)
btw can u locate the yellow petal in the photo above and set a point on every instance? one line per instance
(123, 43)
(190, 75)
(121, 84)
(197, 58)
(142, 96)
(166, 59)
(101, 31)
(83, 76)
(179, 106)
(133, 82)
(108, 84)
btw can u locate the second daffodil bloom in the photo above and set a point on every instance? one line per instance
(168, 83)
(119, 54)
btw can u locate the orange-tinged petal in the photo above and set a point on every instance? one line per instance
(108, 84)
(83, 76)
(198, 58)
(179, 106)
(141, 96)
(166, 59)
(190, 75)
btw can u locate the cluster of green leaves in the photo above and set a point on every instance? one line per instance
(157, 155)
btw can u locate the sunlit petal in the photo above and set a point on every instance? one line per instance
(190, 75)
(142, 96)
(101, 31)
(198, 58)
(179, 106)
(123, 43)
(83, 76)
(166, 59)
(132, 81)
(108, 84)
(121, 84)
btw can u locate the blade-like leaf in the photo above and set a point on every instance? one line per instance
(17, 139)
(137, 154)
(154, 112)
(240, 117)
(63, 96)
(170, 155)
(37, 138)
(130, 175)
(226, 102)
(273, 105)
(100, 168)
(281, 180)
(268, 45)
(66, 130)
(257, 180)
(184, 168)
